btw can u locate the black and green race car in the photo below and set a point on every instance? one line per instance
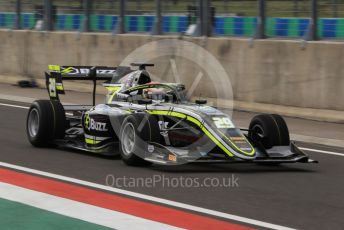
(150, 122)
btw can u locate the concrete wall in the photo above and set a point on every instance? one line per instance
(270, 71)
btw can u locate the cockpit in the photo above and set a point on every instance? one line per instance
(159, 92)
(137, 85)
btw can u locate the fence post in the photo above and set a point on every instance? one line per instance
(157, 24)
(260, 34)
(199, 22)
(207, 23)
(120, 27)
(313, 35)
(17, 25)
(48, 9)
(87, 5)
(204, 26)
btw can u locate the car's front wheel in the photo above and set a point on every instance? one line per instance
(133, 141)
(270, 130)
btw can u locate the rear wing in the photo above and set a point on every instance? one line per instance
(57, 74)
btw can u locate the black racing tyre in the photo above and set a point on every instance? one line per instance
(135, 131)
(46, 121)
(270, 129)
(284, 131)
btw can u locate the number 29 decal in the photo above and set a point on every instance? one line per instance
(223, 122)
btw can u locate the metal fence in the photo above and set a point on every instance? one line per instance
(308, 19)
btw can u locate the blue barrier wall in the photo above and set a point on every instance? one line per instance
(223, 26)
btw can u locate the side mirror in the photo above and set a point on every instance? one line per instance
(201, 101)
(144, 101)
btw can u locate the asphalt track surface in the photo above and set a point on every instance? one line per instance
(302, 196)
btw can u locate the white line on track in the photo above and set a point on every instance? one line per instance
(24, 107)
(148, 198)
(15, 106)
(323, 151)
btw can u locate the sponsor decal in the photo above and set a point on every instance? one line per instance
(239, 139)
(91, 124)
(172, 157)
(150, 148)
(52, 87)
(240, 142)
(97, 126)
(74, 70)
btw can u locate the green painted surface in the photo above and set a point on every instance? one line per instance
(270, 27)
(320, 28)
(17, 216)
(140, 23)
(32, 21)
(69, 22)
(108, 21)
(249, 26)
(94, 23)
(9, 18)
(229, 26)
(293, 25)
(126, 23)
(174, 23)
(340, 28)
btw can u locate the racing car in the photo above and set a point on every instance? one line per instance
(149, 122)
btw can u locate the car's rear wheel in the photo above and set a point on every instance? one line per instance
(46, 121)
(136, 131)
(270, 130)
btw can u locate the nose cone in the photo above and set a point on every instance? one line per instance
(238, 142)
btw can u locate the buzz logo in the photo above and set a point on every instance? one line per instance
(91, 124)
(78, 70)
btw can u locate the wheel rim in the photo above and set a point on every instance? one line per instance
(258, 130)
(33, 123)
(128, 139)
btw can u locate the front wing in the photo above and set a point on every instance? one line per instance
(275, 155)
